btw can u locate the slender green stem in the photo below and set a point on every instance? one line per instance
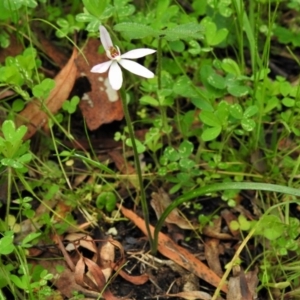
(137, 167)
(159, 63)
(9, 188)
(162, 107)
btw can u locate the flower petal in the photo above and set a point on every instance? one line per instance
(101, 68)
(105, 38)
(137, 53)
(136, 68)
(115, 76)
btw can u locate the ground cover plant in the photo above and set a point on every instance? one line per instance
(149, 149)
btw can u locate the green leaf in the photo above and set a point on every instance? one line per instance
(186, 163)
(209, 118)
(106, 200)
(29, 238)
(210, 29)
(70, 106)
(202, 104)
(210, 134)
(171, 154)
(177, 46)
(93, 26)
(11, 75)
(238, 90)
(25, 158)
(6, 245)
(217, 81)
(5, 12)
(84, 17)
(12, 5)
(251, 111)
(195, 47)
(136, 30)
(10, 162)
(244, 223)
(184, 87)
(148, 100)
(288, 102)
(62, 22)
(18, 105)
(184, 31)
(12, 135)
(186, 148)
(95, 7)
(43, 89)
(30, 3)
(236, 111)
(248, 124)
(123, 9)
(231, 67)
(271, 227)
(234, 225)
(175, 188)
(285, 88)
(161, 7)
(222, 111)
(140, 147)
(219, 37)
(271, 103)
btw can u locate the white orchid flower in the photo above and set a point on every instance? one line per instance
(113, 53)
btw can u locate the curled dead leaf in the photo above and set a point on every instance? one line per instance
(80, 240)
(191, 295)
(107, 257)
(34, 115)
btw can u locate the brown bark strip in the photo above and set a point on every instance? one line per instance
(178, 254)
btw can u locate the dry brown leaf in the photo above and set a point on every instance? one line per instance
(80, 240)
(107, 295)
(101, 105)
(122, 165)
(242, 286)
(192, 295)
(136, 280)
(214, 231)
(64, 281)
(67, 285)
(118, 245)
(66, 255)
(160, 201)
(34, 115)
(95, 274)
(79, 271)
(107, 257)
(211, 251)
(178, 254)
(6, 93)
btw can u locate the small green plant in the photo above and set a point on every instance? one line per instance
(13, 150)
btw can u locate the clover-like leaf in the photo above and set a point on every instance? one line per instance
(136, 30)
